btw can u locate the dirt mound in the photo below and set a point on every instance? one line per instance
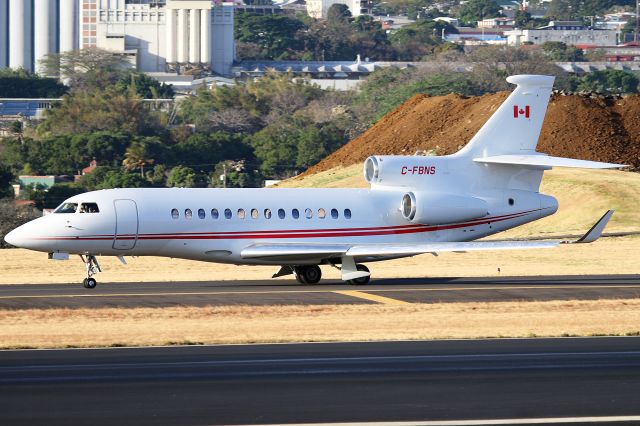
(575, 126)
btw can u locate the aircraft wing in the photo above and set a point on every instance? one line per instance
(292, 253)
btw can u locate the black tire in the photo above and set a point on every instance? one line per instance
(311, 274)
(363, 280)
(299, 273)
(89, 283)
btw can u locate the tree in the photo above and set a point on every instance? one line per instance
(145, 86)
(87, 69)
(558, 51)
(522, 18)
(416, 40)
(59, 192)
(6, 179)
(493, 64)
(607, 81)
(338, 14)
(276, 35)
(136, 157)
(112, 110)
(475, 10)
(181, 177)
(24, 84)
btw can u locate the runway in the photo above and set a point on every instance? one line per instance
(287, 292)
(338, 382)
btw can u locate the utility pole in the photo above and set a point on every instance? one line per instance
(635, 38)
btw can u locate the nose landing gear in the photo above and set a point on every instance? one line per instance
(93, 267)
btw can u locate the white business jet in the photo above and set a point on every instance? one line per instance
(416, 204)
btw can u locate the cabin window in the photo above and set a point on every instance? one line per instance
(175, 213)
(511, 201)
(188, 214)
(267, 213)
(89, 208)
(227, 213)
(322, 214)
(334, 213)
(254, 213)
(201, 213)
(308, 213)
(214, 214)
(281, 213)
(347, 213)
(241, 214)
(67, 208)
(295, 213)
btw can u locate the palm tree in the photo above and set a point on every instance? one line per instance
(136, 157)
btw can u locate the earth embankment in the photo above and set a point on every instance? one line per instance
(587, 128)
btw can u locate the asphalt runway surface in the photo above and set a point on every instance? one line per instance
(287, 292)
(334, 382)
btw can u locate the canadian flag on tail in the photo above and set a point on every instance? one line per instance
(518, 111)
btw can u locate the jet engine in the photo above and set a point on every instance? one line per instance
(438, 209)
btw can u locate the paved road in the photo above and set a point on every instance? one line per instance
(424, 290)
(340, 382)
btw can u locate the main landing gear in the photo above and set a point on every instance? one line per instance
(93, 267)
(362, 280)
(308, 274)
(311, 274)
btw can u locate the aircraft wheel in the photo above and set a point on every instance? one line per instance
(363, 280)
(89, 283)
(299, 273)
(311, 274)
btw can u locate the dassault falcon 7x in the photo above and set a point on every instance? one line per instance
(415, 204)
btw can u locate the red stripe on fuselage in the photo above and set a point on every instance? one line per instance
(315, 233)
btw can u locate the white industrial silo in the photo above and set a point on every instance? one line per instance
(68, 25)
(20, 34)
(4, 36)
(44, 25)
(194, 36)
(205, 41)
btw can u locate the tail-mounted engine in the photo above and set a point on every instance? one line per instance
(403, 170)
(438, 209)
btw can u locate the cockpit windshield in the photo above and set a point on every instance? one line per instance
(67, 208)
(89, 208)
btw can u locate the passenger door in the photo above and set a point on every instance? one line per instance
(126, 233)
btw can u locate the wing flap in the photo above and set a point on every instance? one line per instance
(365, 250)
(545, 161)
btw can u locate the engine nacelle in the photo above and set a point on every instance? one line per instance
(403, 170)
(438, 209)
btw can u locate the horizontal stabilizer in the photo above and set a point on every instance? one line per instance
(545, 161)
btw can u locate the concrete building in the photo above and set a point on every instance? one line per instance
(577, 37)
(500, 22)
(318, 8)
(157, 35)
(163, 36)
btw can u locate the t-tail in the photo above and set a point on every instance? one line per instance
(506, 144)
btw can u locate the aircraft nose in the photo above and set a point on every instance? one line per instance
(14, 238)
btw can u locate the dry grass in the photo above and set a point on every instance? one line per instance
(606, 256)
(243, 324)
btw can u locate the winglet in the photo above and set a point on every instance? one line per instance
(596, 230)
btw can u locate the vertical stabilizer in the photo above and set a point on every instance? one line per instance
(515, 127)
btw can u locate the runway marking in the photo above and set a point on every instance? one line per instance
(537, 421)
(372, 297)
(226, 293)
